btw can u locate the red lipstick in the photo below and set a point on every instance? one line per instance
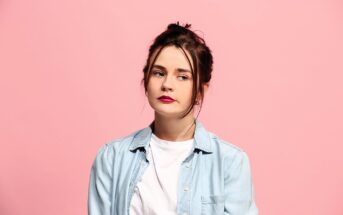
(166, 99)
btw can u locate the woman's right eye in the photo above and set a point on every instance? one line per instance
(157, 73)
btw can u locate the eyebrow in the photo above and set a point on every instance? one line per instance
(177, 69)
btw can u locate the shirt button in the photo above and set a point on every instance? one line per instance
(187, 166)
(184, 213)
(185, 188)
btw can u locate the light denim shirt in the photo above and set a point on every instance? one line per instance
(214, 179)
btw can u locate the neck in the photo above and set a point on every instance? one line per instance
(174, 129)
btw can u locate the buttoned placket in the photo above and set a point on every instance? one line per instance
(140, 168)
(184, 185)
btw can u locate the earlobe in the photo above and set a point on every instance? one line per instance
(206, 87)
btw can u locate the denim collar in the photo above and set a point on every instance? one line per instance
(201, 137)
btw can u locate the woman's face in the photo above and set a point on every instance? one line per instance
(170, 76)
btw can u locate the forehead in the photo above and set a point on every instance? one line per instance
(172, 57)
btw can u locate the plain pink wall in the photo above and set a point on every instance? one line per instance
(70, 81)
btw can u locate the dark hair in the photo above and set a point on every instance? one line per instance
(182, 37)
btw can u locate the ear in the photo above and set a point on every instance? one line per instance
(206, 85)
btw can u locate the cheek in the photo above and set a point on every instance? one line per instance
(187, 93)
(190, 89)
(152, 87)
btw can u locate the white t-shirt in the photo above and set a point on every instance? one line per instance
(156, 192)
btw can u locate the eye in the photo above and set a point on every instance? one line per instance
(158, 73)
(183, 78)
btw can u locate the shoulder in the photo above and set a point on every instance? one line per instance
(116, 146)
(229, 152)
(224, 147)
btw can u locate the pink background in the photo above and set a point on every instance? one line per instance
(70, 81)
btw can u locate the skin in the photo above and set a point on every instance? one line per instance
(177, 84)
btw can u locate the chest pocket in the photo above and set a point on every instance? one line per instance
(212, 205)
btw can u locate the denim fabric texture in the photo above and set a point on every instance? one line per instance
(214, 179)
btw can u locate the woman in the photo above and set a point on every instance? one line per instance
(174, 165)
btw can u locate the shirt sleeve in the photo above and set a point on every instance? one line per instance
(239, 190)
(100, 182)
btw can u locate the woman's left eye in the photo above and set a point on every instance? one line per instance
(183, 77)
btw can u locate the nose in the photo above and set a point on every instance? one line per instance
(167, 84)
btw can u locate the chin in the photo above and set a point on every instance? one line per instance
(167, 113)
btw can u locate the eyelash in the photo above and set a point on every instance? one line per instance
(157, 72)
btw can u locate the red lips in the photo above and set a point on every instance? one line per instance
(166, 99)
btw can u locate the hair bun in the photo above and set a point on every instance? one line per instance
(177, 25)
